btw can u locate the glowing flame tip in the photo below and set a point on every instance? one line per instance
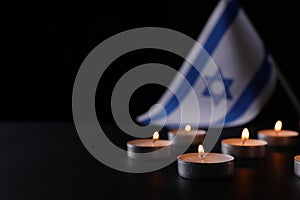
(278, 126)
(188, 128)
(155, 136)
(245, 135)
(200, 149)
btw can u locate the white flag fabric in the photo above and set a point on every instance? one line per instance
(231, 94)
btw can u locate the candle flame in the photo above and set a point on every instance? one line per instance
(201, 151)
(245, 135)
(155, 136)
(278, 126)
(188, 128)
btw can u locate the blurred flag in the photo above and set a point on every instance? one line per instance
(230, 94)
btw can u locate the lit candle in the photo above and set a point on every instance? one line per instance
(194, 137)
(136, 148)
(244, 147)
(205, 166)
(201, 152)
(297, 165)
(278, 137)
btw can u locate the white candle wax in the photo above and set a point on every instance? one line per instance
(208, 158)
(211, 166)
(182, 137)
(251, 148)
(149, 143)
(136, 148)
(248, 143)
(278, 138)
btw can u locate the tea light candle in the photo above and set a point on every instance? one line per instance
(205, 166)
(278, 137)
(297, 165)
(244, 147)
(186, 135)
(136, 148)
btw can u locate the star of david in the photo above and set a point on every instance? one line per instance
(214, 88)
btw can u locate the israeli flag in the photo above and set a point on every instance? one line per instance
(230, 94)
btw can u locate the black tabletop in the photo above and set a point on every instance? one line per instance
(47, 160)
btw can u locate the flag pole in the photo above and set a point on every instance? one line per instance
(289, 91)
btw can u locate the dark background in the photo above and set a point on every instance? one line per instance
(44, 44)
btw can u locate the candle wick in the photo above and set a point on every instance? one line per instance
(243, 141)
(201, 156)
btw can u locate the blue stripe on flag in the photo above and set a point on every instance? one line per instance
(220, 28)
(222, 25)
(251, 92)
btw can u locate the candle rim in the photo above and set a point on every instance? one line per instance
(230, 158)
(297, 158)
(269, 132)
(198, 131)
(136, 141)
(245, 145)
